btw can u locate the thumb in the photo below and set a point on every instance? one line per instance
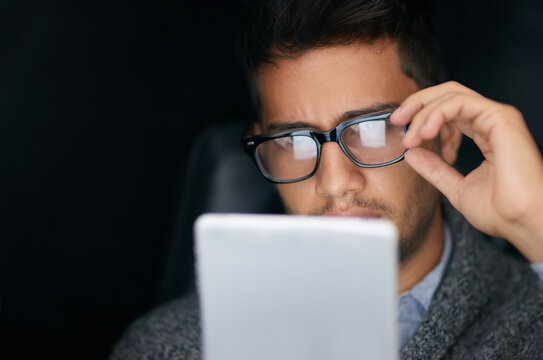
(436, 171)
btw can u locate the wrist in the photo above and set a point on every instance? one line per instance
(527, 236)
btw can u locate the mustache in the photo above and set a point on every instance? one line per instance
(372, 205)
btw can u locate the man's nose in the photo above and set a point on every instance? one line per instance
(337, 176)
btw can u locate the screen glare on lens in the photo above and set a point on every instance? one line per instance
(304, 148)
(373, 133)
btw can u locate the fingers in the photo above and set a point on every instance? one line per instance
(427, 110)
(461, 109)
(427, 122)
(436, 171)
(412, 104)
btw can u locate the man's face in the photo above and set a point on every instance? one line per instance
(316, 90)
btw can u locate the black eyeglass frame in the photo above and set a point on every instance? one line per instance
(250, 143)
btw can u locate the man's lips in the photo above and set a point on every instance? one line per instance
(353, 213)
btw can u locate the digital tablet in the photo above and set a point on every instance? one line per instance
(296, 287)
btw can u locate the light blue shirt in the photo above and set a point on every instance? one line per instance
(413, 304)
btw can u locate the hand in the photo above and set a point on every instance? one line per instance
(503, 196)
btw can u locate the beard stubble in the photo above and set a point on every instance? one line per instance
(413, 220)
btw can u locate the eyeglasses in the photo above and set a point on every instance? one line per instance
(370, 141)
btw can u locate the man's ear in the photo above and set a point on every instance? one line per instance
(450, 138)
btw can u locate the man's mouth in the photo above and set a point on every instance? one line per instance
(353, 213)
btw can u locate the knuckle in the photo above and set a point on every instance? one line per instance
(455, 95)
(453, 84)
(510, 114)
(454, 98)
(512, 110)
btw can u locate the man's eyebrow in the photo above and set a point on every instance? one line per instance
(280, 127)
(373, 108)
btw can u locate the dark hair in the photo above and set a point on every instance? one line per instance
(288, 28)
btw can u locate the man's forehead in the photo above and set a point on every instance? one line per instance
(278, 125)
(325, 86)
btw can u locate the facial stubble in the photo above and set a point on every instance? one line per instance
(413, 219)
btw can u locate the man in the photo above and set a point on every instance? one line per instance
(323, 65)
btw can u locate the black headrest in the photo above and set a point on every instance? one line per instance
(220, 177)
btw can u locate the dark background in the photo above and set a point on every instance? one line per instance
(100, 102)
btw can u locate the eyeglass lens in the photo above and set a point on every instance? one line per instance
(287, 158)
(373, 142)
(292, 157)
